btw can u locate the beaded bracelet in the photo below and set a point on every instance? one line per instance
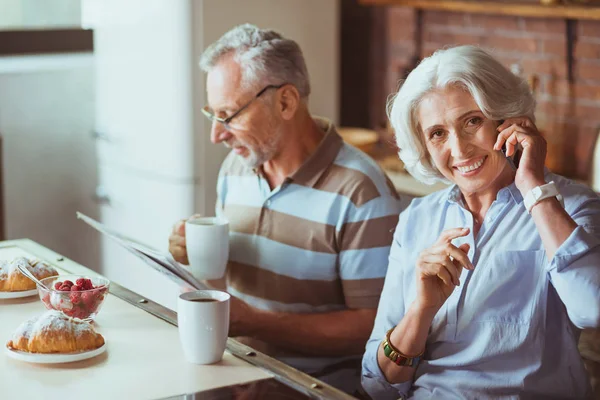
(396, 355)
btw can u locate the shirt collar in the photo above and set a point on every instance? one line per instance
(514, 192)
(455, 196)
(311, 170)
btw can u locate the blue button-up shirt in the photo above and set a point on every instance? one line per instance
(510, 328)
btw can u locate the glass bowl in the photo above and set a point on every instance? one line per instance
(80, 300)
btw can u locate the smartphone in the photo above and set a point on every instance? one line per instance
(509, 159)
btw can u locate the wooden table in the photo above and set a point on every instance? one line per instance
(144, 359)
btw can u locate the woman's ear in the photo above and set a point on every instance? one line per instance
(289, 101)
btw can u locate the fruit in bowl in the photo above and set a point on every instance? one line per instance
(74, 295)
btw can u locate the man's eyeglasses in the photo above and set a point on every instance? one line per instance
(226, 121)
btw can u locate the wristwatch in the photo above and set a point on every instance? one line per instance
(540, 193)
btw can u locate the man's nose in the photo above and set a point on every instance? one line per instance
(218, 133)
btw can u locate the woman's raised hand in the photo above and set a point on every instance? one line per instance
(439, 268)
(522, 131)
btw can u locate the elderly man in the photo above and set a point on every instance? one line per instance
(311, 218)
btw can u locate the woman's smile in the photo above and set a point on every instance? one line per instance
(471, 167)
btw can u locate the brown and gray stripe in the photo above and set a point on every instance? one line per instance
(267, 285)
(347, 182)
(318, 237)
(283, 228)
(362, 293)
(369, 233)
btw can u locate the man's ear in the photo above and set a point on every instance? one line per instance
(288, 101)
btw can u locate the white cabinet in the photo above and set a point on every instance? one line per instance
(143, 91)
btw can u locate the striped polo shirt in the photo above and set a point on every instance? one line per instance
(317, 243)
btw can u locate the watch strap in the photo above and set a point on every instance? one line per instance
(539, 193)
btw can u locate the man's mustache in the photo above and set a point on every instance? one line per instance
(231, 145)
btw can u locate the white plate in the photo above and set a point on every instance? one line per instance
(53, 358)
(18, 295)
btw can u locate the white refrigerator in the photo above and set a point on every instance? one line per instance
(156, 162)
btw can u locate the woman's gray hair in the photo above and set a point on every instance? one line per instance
(499, 94)
(266, 57)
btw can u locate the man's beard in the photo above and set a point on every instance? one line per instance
(258, 155)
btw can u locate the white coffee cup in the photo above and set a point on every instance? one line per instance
(207, 244)
(203, 320)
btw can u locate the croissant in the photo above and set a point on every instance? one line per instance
(54, 332)
(11, 280)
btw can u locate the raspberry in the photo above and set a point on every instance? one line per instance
(75, 297)
(75, 288)
(65, 288)
(57, 285)
(87, 284)
(68, 282)
(88, 298)
(79, 282)
(93, 308)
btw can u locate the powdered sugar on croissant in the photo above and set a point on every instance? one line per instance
(54, 332)
(11, 280)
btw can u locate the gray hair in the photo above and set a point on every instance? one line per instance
(499, 94)
(266, 57)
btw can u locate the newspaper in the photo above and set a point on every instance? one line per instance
(163, 263)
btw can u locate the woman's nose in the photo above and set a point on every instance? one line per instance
(459, 144)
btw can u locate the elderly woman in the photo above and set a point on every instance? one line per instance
(489, 280)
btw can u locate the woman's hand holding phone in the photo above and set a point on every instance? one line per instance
(522, 131)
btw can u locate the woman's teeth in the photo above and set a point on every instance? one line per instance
(471, 167)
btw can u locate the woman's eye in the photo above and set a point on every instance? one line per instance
(436, 134)
(474, 121)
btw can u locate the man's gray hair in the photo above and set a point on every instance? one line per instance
(266, 57)
(499, 94)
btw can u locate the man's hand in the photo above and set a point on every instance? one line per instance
(335, 333)
(177, 241)
(241, 318)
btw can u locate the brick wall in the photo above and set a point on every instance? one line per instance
(568, 113)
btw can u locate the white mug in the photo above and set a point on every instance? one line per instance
(203, 321)
(207, 244)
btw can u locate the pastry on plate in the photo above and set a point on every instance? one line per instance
(53, 332)
(11, 280)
